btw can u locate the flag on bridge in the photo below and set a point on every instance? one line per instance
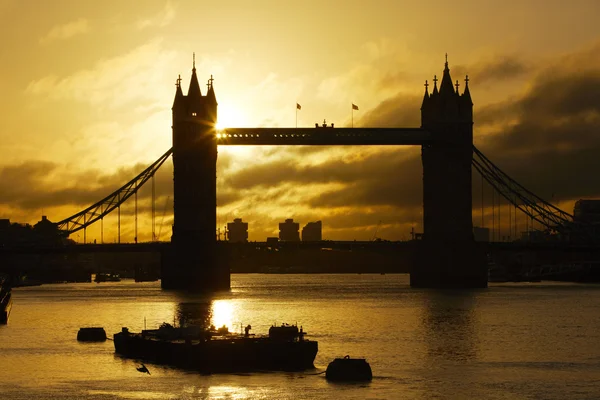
(298, 106)
(354, 107)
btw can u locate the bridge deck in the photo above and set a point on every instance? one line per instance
(323, 136)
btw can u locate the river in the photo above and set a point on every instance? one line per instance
(510, 341)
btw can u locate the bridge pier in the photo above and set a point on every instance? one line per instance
(449, 264)
(448, 255)
(189, 267)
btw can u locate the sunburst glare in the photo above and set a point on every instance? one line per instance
(230, 117)
(222, 313)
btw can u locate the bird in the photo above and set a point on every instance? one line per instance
(143, 368)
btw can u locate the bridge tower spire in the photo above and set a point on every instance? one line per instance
(194, 263)
(450, 257)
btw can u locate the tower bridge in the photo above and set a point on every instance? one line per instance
(446, 257)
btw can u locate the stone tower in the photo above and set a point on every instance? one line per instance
(193, 263)
(449, 256)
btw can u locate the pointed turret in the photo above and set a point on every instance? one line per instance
(425, 96)
(178, 94)
(446, 85)
(211, 102)
(194, 90)
(467, 94)
(210, 94)
(195, 101)
(435, 88)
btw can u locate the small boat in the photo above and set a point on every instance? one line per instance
(102, 277)
(349, 370)
(212, 350)
(5, 300)
(5, 305)
(93, 334)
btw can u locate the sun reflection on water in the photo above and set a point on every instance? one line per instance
(222, 313)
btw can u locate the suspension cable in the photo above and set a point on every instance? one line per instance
(99, 210)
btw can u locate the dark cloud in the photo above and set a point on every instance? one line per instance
(553, 148)
(32, 185)
(393, 173)
(548, 139)
(497, 69)
(401, 110)
(391, 79)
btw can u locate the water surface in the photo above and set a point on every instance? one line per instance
(511, 341)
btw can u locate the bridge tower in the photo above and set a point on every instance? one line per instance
(449, 256)
(193, 263)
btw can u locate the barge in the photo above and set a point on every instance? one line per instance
(284, 348)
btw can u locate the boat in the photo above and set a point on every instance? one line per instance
(283, 349)
(91, 334)
(102, 277)
(5, 300)
(514, 273)
(146, 273)
(349, 370)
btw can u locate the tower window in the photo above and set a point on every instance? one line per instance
(193, 114)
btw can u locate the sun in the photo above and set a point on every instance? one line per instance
(230, 117)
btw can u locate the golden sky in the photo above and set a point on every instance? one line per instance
(87, 89)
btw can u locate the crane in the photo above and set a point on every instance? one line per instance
(376, 230)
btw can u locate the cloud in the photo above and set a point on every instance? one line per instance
(552, 145)
(547, 138)
(163, 18)
(379, 71)
(113, 82)
(367, 177)
(66, 31)
(35, 184)
(495, 69)
(400, 110)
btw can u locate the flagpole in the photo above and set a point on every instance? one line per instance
(296, 115)
(354, 107)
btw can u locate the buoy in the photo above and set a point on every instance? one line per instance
(94, 334)
(349, 370)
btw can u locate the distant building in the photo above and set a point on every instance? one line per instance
(45, 227)
(312, 232)
(587, 211)
(289, 231)
(4, 231)
(237, 231)
(481, 234)
(42, 233)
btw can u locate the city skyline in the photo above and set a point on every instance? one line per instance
(89, 89)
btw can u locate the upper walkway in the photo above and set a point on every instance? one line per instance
(323, 136)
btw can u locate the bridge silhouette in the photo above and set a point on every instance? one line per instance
(448, 256)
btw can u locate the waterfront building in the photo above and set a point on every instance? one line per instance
(587, 211)
(237, 231)
(312, 232)
(289, 231)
